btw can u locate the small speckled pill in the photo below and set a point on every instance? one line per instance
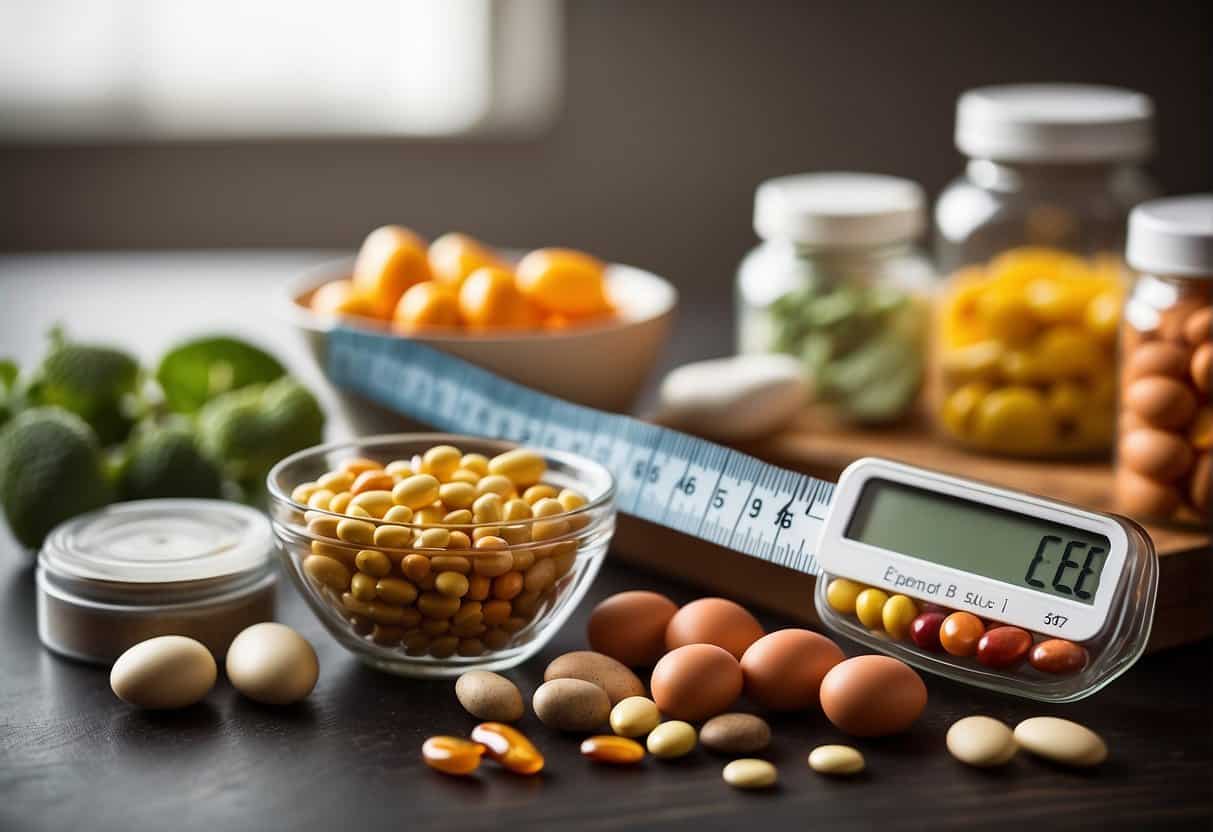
(836, 759)
(750, 773)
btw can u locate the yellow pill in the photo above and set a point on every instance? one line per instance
(382, 613)
(479, 463)
(340, 502)
(539, 492)
(356, 531)
(1069, 352)
(399, 468)
(441, 461)
(437, 605)
(571, 500)
(393, 537)
(352, 604)
(1102, 315)
(523, 467)
(469, 613)
(416, 492)
(479, 587)
(327, 572)
(450, 563)
(495, 484)
(465, 475)
(523, 558)
(634, 716)
(360, 512)
(398, 514)
(396, 591)
(672, 739)
(302, 491)
(321, 525)
(546, 507)
(841, 595)
(375, 502)
(459, 540)
(488, 508)
(332, 550)
(373, 563)
(433, 539)
(456, 495)
(869, 606)
(491, 565)
(540, 576)
(430, 515)
(495, 613)
(458, 517)
(549, 529)
(452, 584)
(362, 587)
(481, 532)
(1014, 419)
(320, 499)
(415, 567)
(336, 481)
(516, 509)
(897, 615)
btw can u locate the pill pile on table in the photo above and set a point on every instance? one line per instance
(436, 555)
(704, 656)
(955, 633)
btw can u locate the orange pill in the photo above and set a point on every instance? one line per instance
(508, 747)
(452, 755)
(374, 480)
(618, 751)
(360, 464)
(960, 633)
(506, 587)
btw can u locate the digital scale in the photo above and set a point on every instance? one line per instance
(1012, 559)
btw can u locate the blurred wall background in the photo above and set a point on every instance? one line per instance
(672, 113)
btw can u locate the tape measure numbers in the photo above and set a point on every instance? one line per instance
(687, 484)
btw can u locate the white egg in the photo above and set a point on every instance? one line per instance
(743, 397)
(164, 672)
(272, 664)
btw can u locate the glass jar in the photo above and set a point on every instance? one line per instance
(1031, 235)
(839, 283)
(1165, 425)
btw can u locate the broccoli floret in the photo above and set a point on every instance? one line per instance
(168, 462)
(91, 381)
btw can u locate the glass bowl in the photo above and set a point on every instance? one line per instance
(498, 608)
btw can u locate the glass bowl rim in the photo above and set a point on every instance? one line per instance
(606, 499)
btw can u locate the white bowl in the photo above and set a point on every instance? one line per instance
(602, 365)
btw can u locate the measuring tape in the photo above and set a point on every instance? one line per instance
(687, 484)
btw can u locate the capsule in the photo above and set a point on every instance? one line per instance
(1003, 647)
(508, 747)
(1058, 655)
(869, 606)
(924, 630)
(452, 755)
(618, 751)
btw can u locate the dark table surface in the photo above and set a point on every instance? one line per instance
(73, 757)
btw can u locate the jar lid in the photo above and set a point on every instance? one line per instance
(1172, 236)
(1054, 123)
(160, 541)
(839, 209)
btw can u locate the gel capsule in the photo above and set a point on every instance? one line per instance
(1057, 655)
(924, 630)
(452, 755)
(1003, 647)
(960, 633)
(619, 751)
(508, 747)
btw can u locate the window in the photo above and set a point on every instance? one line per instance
(155, 69)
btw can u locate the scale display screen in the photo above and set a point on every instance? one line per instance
(1006, 546)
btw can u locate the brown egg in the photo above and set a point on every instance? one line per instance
(1156, 358)
(1142, 498)
(1198, 328)
(630, 627)
(1172, 322)
(695, 682)
(1163, 402)
(1156, 454)
(713, 621)
(871, 696)
(783, 670)
(1202, 368)
(1200, 487)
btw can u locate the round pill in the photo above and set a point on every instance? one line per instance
(1058, 655)
(841, 595)
(749, 773)
(672, 739)
(960, 633)
(924, 630)
(981, 741)
(897, 615)
(869, 607)
(836, 759)
(634, 716)
(1061, 741)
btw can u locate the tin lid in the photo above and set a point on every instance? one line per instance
(839, 209)
(1054, 123)
(1172, 236)
(160, 541)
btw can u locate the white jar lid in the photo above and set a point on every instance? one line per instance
(839, 209)
(1054, 123)
(1172, 236)
(160, 541)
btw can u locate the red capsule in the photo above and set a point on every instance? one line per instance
(1057, 655)
(1003, 647)
(924, 630)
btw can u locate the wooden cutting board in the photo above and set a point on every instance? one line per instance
(816, 446)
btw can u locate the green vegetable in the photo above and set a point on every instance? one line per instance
(197, 371)
(96, 383)
(168, 462)
(252, 428)
(51, 469)
(8, 397)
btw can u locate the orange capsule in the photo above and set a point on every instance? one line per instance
(618, 751)
(373, 480)
(360, 464)
(452, 755)
(960, 633)
(508, 747)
